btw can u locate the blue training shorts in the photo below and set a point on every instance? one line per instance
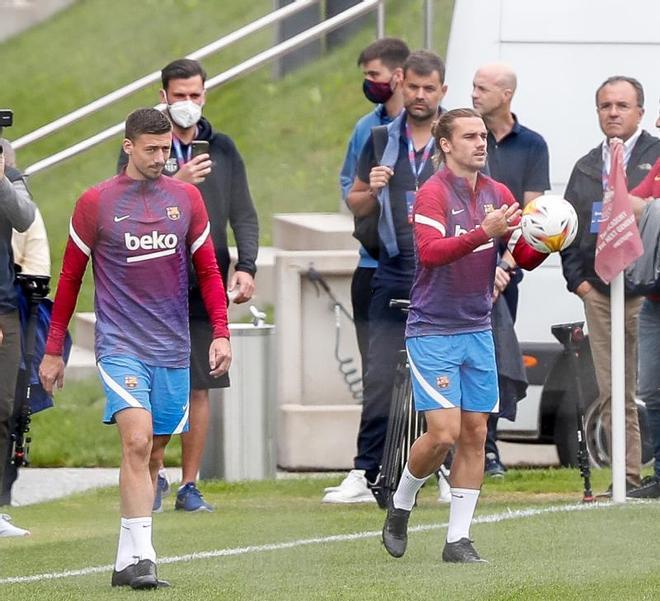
(163, 391)
(455, 370)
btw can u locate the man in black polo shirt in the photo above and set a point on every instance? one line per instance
(517, 157)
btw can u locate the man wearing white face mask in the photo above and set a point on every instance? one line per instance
(221, 178)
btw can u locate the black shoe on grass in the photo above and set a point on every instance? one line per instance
(141, 575)
(461, 551)
(395, 530)
(648, 489)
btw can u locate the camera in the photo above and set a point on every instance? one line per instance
(6, 120)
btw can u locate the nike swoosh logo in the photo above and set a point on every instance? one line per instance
(118, 219)
(457, 496)
(453, 211)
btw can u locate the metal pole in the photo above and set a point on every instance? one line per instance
(428, 24)
(239, 34)
(380, 20)
(618, 333)
(245, 67)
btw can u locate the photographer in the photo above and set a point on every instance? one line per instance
(16, 212)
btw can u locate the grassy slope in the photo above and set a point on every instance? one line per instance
(292, 132)
(607, 553)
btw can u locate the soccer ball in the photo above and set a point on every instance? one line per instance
(549, 223)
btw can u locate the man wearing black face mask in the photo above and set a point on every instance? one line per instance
(382, 66)
(389, 182)
(221, 178)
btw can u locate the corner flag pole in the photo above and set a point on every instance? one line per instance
(617, 311)
(617, 246)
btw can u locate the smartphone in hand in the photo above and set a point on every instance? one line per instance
(199, 147)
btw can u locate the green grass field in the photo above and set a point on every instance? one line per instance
(274, 540)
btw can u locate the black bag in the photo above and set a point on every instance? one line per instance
(365, 229)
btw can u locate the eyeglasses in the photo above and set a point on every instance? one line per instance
(621, 107)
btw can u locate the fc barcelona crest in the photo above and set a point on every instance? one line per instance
(130, 382)
(171, 166)
(173, 213)
(488, 208)
(442, 381)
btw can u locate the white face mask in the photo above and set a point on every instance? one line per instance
(185, 113)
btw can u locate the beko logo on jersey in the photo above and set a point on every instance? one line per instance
(162, 245)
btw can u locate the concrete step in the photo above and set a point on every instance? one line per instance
(81, 365)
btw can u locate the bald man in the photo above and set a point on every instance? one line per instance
(518, 158)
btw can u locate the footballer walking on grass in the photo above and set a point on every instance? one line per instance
(141, 229)
(458, 215)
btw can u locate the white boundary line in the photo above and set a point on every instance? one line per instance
(337, 538)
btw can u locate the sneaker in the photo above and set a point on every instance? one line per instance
(140, 575)
(493, 467)
(162, 490)
(648, 489)
(444, 488)
(395, 530)
(157, 507)
(189, 498)
(630, 486)
(163, 483)
(7, 529)
(353, 489)
(461, 551)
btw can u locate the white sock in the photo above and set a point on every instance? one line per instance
(406, 492)
(134, 542)
(124, 548)
(461, 511)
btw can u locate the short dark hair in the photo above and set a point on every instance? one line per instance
(146, 121)
(392, 52)
(443, 127)
(424, 62)
(183, 68)
(639, 90)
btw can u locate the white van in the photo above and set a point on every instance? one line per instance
(561, 52)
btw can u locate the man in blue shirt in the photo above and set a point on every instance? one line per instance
(518, 158)
(390, 183)
(382, 65)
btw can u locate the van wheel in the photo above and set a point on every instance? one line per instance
(565, 432)
(597, 438)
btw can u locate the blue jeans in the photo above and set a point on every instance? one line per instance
(649, 370)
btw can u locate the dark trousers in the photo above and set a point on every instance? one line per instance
(10, 353)
(649, 371)
(360, 299)
(386, 338)
(511, 297)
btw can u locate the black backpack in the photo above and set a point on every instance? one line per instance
(365, 229)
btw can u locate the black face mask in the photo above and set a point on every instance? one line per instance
(378, 93)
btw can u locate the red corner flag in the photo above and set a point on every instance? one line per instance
(618, 243)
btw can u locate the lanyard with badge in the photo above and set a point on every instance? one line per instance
(415, 168)
(178, 151)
